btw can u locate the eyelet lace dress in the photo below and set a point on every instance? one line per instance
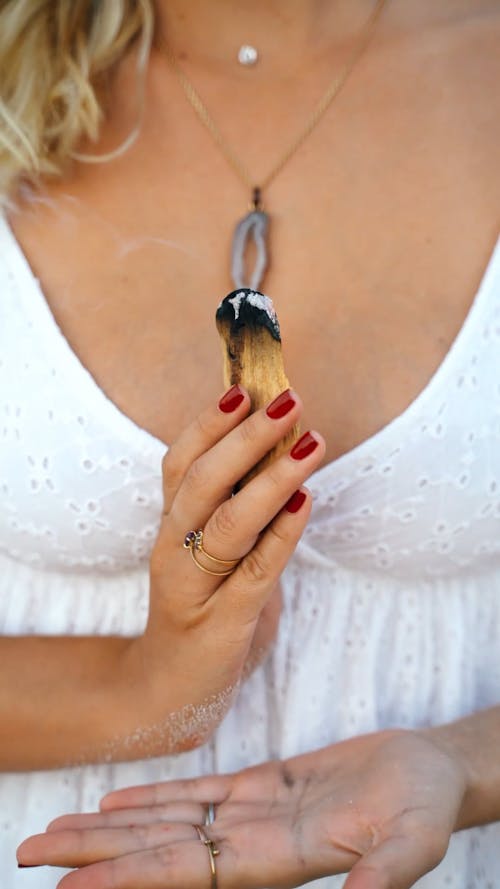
(391, 612)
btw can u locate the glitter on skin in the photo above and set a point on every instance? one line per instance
(179, 731)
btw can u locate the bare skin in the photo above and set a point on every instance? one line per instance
(95, 698)
(388, 241)
(382, 806)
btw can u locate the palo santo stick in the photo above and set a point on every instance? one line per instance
(252, 355)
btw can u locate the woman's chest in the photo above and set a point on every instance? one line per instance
(361, 339)
(82, 484)
(376, 255)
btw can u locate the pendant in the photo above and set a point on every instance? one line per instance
(254, 226)
(247, 55)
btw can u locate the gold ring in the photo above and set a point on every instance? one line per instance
(212, 853)
(210, 816)
(193, 541)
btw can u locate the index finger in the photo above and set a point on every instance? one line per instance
(205, 431)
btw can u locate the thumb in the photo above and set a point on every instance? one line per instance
(399, 861)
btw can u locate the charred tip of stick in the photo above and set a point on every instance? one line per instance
(248, 308)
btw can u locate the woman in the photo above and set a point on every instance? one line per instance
(373, 719)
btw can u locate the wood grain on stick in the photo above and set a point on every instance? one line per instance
(252, 357)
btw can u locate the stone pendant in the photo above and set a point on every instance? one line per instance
(253, 226)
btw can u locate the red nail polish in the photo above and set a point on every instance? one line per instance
(231, 400)
(281, 405)
(304, 446)
(296, 501)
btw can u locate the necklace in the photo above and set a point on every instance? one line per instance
(247, 55)
(255, 225)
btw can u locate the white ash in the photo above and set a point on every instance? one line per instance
(256, 299)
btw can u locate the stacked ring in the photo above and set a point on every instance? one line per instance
(212, 852)
(210, 816)
(193, 541)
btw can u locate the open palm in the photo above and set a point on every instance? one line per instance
(382, 806)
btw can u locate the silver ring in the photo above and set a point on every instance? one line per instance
(210, 815)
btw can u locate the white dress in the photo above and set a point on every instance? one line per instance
(391, 603)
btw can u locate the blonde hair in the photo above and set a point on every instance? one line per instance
(53, 56)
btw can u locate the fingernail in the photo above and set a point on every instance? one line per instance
(304, 446)
(296, 501)
(281, 405)
(231, 399)
(29, 865)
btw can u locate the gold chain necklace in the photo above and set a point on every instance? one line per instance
(256, 223)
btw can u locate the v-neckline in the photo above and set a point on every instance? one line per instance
(149, 442)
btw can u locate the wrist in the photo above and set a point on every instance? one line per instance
(454, 742)
(157, 715)
(170, 709)
(129, 703)
(136, 684)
